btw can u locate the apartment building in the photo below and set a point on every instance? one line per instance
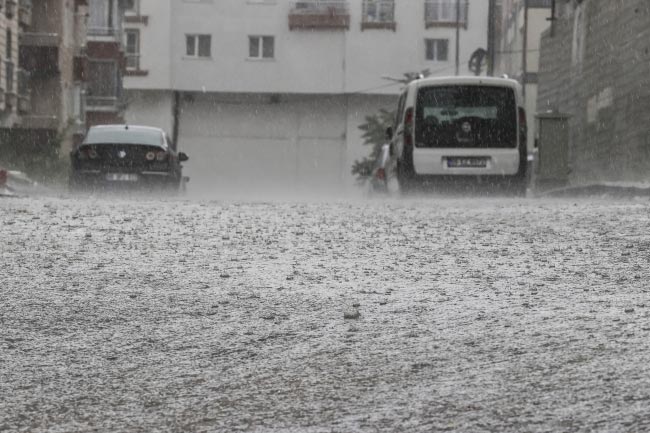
(105, 62)
(61, 68)
(42, 94)
(517, 46)
(271, 92)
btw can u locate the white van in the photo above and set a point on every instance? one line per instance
(470, 129)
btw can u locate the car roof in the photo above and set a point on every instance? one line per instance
(125, 134)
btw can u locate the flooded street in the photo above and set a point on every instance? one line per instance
(502, 315)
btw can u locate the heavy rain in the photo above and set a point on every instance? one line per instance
(324, 215)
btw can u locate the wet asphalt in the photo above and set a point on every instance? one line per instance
(418, 315)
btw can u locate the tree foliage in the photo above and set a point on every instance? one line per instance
(374, 135)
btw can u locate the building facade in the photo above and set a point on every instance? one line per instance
(62, 63)
(516, 45)
(270, 92)
(595, 68)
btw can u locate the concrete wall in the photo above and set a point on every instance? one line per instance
(306, 61)
(596, 67)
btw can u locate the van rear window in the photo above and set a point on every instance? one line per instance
(466, 116)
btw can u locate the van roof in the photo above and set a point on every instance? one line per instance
(468, 80)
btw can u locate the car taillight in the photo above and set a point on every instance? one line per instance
(150, 156)
(160, 156)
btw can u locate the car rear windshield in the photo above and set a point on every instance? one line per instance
(124, 136)
(466, 116)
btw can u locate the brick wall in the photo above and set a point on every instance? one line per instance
(595, 66)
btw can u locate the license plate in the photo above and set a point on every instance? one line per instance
(122, 177)
(467, 162)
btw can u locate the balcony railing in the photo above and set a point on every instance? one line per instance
(319, 14)
(25, 13)
(102, 103)
(30, 39)
(378, 14)
(443, 13)
(38, 121)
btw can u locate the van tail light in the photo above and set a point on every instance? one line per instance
(523, 123)
(381, 174)
(408, 127)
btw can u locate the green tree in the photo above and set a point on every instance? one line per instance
(374, 135)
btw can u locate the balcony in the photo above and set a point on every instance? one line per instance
(24, 92)
(319, 15)
(104, 20)
(443, 13)
(39, 54)
(25, 13)
(378, 14)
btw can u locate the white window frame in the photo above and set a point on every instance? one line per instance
(435, 42)
(260, 47)
(135, 54)
(197, 37)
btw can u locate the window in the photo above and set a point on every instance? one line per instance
(198, 45)
(378, 11)
(132, 48)
(437, 49)
(132, 7)
(444, 12)
(9, 45)
(103, 83)
(261, 47)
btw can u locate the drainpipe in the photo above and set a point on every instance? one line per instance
(176, 113)
(491, 36)
(524, 60)
(457, 37)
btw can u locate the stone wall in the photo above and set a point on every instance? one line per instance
(595, 66)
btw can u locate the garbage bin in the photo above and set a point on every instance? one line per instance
(552, 165)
